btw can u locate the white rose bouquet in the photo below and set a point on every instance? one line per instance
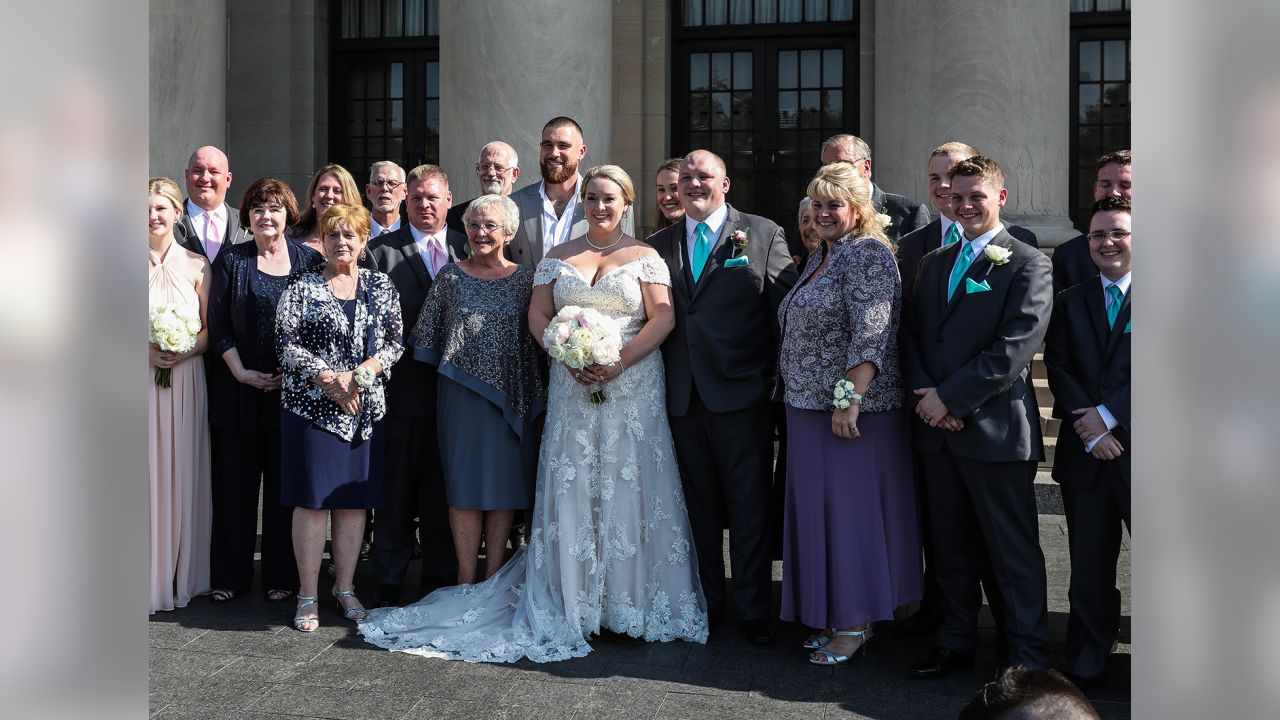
(578, 337)
(173, 328)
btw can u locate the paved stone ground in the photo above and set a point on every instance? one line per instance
(244, 660)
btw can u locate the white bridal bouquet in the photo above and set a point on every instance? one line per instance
(579, 337)
(173, 329)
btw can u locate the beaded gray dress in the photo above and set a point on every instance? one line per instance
(610, 544)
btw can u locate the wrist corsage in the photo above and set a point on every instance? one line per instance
(364, 376)
(845, 395)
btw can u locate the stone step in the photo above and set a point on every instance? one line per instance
(1044, 398)
(1048, 494)
(1038, 371)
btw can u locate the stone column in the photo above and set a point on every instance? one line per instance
(991, 73)
(642, 95)
(509, 66)
(188, 82)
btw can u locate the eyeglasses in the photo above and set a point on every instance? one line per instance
(1101, 235)
(495, 168)
(487, 228)
(386, 184)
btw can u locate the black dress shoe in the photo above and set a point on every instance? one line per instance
(938, 663)
(388, 596)
(758, 632)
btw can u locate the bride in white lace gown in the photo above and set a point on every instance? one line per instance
(610, 546)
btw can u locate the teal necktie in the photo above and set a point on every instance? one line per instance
(959, 269)
(953, 234)
(701, 250)
(1114, 299)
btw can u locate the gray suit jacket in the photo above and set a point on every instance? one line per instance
(726, 336)
(187, 236)
(526, 247)
(906, 214)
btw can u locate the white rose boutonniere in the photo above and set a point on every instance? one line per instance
(884, 220)
(996, 254)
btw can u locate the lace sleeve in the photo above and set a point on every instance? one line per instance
(547, 273)
(653, 269)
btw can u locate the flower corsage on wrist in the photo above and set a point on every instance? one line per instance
(845, 395)
(364, 376)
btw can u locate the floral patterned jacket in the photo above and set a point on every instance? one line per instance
(314, 335)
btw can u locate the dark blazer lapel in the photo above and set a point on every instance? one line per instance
(714, 258)
(976, 269)
(409, 249)
(1117, 333)
(676, 261)
(457, 243)
(933, 236)
(1097, 312)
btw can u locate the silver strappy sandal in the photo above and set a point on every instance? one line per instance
(355, 614)
(830, 658)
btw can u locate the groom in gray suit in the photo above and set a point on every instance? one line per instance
(551, 210)
(729, 272)
(208, 223)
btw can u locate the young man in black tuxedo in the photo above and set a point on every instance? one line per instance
(980, 312)
(1072, 261)
(1087, 354)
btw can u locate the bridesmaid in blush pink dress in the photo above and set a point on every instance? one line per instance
(178, 425)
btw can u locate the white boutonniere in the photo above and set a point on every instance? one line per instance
(884, 220)
(740, 241)
(996, 254)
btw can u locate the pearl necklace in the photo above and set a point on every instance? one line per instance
(604, 247)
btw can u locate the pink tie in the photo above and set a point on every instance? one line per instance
(212, 238)
(438, 258)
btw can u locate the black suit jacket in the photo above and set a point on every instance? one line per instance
(184, 232)
(725, 339)
(1072, 263)
(920, 242)
(1088, 364)
(454, 218)
(411, 390)
(976, 349)
(906, 215)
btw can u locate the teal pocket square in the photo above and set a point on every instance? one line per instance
(737, 262)
(1128, 327)
(972, 287)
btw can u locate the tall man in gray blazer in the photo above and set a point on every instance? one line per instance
(980, 312)
(720, 360)
(413, 481)
(208, 223)
(904, 213)
(551, 210)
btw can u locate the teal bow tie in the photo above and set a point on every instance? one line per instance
(701, 250)
(960, 268)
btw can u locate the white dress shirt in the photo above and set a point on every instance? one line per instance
(375, 229)
(1103, 412)
(424, 242)
(197, 215)
(715, 223)
(556, 228)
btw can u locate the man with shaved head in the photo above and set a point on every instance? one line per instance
(496, 171)
(209, 223)
(729, 273)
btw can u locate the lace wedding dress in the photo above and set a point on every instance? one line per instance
(610, 545)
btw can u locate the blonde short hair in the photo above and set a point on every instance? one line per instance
(355, 217)
(167, 189)
(844, 182)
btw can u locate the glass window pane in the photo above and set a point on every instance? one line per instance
(809, 109)
(697, 141)
(717, 12)
(355, 118)
(376, 121)
(1115, 104)
(1110, 5)
(833, 109)
(375, 146)
(433, 117)
(1114, 64)
(692, 13)
(743, 191)
(699, 111)
(743, 111)
(788, 107)
(721, 144)
(1090, 113)
(1115, 137)
(832, 68)
(1081, 5)
(790, 11)
(720, 111)
(810, 146)
(393, 19)
(766, 11)
(395, 120)
(1088, 142)
(350, 18)
(355, 85)
(433, 17)
(433, 79)
(743, 144)
(397, 80)
(841, 10)
(372, 27)
(720, 69)
(415, 16)
(787, 68)
(742, 71)
(740, 12)
(355, 148)
(377, 85)
(1091, 60)
(810, 68)
(395, 150)
(815, 10)
(699, 70)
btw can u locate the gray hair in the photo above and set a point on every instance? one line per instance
(373, 169)
(511, 151)
(503, 206)
(860, 146)
(805, 204)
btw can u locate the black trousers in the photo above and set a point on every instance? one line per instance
(972, 503)
(413, 486)
(726, 467)
(1094, 518)
(243, 463)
